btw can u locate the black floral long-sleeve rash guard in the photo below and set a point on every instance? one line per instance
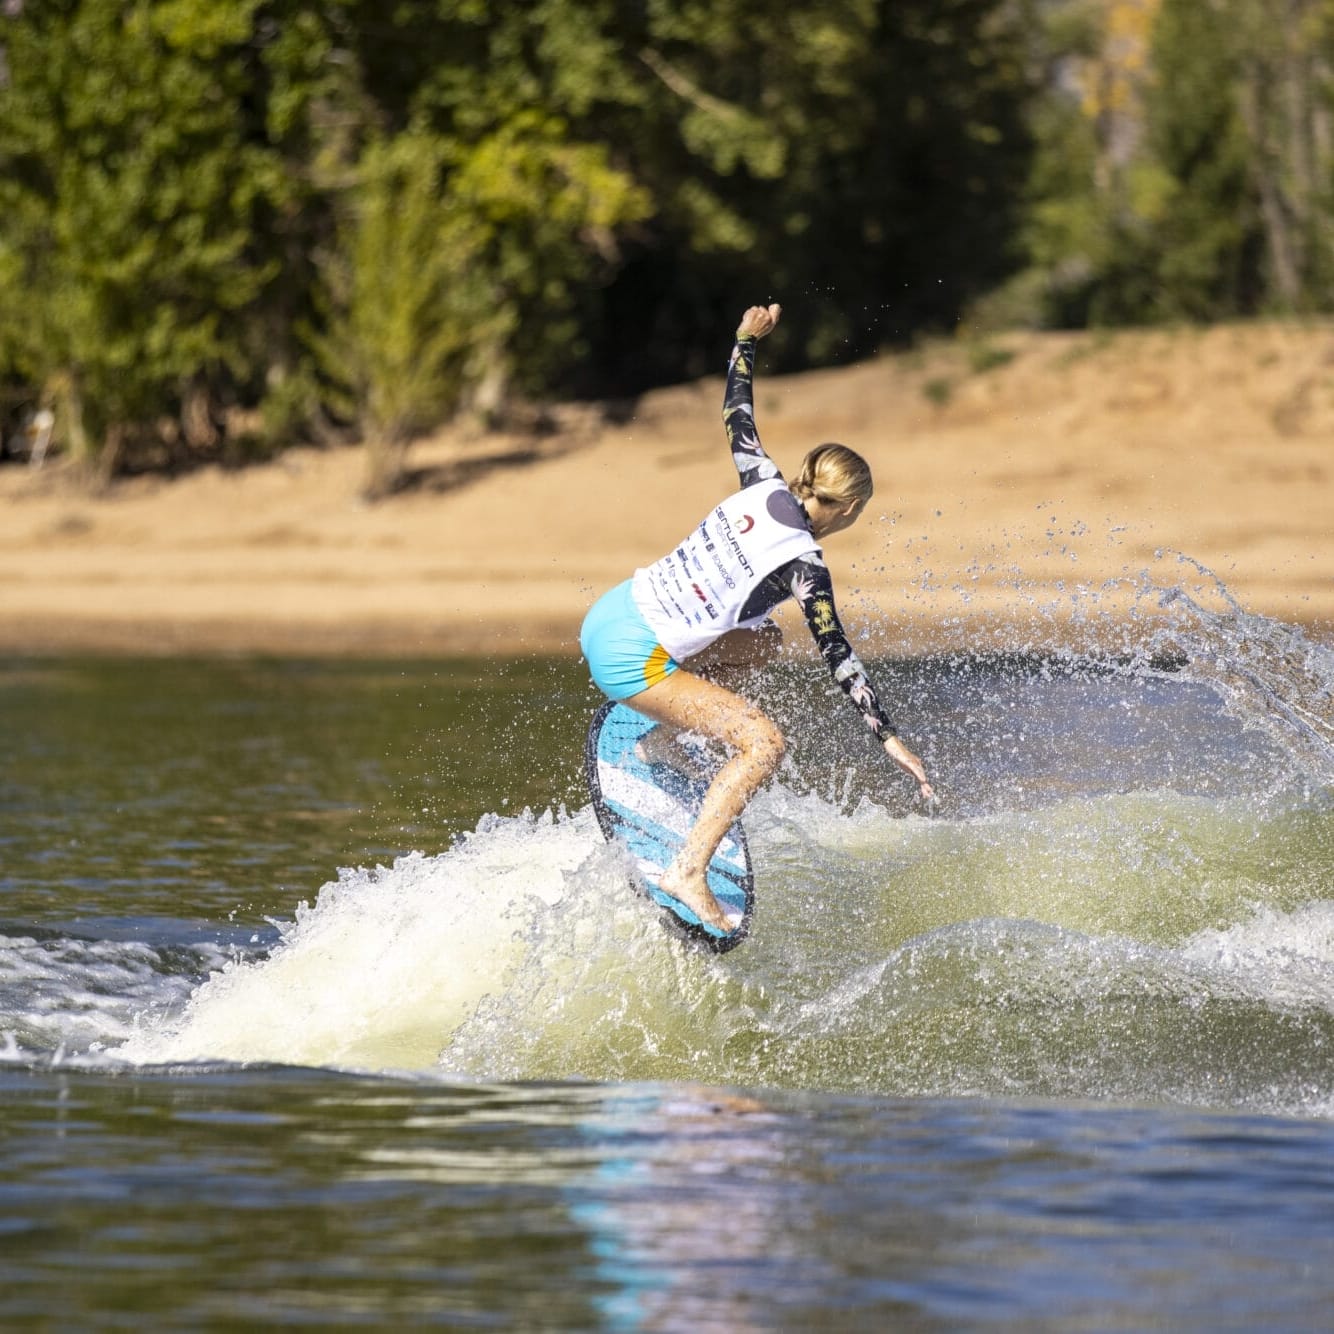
(806, 577)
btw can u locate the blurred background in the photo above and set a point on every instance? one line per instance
(235, 228)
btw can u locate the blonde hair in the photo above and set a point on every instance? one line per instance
(836, 474)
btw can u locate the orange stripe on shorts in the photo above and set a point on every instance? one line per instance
(655, 668)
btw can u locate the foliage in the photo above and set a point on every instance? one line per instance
(129, 196)
(1185, 158)
(1205, 219)
(322, 212)
(397, 326)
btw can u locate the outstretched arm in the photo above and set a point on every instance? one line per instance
(813, 589)
(752, 463)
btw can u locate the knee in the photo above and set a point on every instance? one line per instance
(764, 742)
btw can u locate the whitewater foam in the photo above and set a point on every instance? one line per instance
(1281, 959)
(387, 961)
(61, 993)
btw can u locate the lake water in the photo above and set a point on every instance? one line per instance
(323, 1002)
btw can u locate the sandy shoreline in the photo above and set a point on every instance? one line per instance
(1014, 504)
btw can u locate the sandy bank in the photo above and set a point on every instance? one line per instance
(1020, 483)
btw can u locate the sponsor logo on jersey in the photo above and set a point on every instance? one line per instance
(733, 545)
(746, 524)
(704, 598)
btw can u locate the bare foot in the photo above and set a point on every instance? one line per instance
(698, 897)
(662, 745)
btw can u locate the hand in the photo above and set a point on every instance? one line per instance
(910, 764)
(759, 320)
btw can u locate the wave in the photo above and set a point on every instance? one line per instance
(1121, 900)
(1117, 947)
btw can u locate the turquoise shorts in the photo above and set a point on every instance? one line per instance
(624, 656)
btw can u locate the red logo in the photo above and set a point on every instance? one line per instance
(700, 593)
(746, 524)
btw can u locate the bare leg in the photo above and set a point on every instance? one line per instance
(663, 745)
(690, 703)
(730, 661)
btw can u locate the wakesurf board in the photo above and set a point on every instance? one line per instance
(648, 808)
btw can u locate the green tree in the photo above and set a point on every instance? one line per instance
(1094, 195)
(435, 261)
(394, 338)
(858, 158)
(1283, 55)
(128, 197)
(441, 252)
(1185, 167)
(1206, 227)
(456, 200)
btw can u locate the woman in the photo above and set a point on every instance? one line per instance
(660, 642)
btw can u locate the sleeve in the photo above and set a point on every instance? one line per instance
(808, 577)
(752, 463)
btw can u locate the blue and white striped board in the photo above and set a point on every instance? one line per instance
(648, 808)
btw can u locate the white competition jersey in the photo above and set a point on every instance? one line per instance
(699, 591)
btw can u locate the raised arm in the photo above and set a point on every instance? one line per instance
(752, 463)
(813, 589)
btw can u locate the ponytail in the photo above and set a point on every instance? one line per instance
(836, 474)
